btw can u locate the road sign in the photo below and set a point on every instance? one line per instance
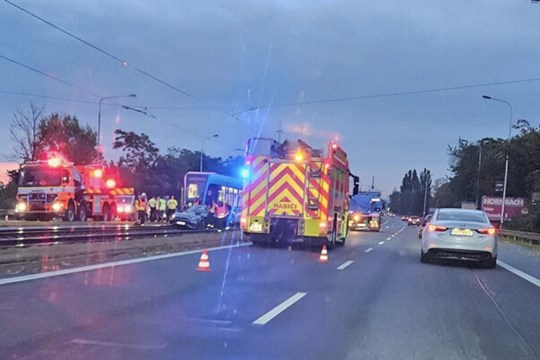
(512, 207)
(499, 186)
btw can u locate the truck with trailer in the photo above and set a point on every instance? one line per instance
(294, 192)
(365, 211)
(54, 187)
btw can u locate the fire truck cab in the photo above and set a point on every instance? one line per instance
(54, 187)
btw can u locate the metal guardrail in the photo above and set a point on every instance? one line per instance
(522, 236)
(4, 212)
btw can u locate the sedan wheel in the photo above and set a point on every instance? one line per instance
(424, 258)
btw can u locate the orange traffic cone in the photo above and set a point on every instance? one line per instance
(324, 255)
(204, 263)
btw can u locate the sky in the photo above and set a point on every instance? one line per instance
(194, 65)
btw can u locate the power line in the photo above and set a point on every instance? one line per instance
(110, 55)
(400, 93)
(48, 97)
(20, 93)
(146, 113)
(48, 75)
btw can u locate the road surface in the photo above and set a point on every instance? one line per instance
(373, 300)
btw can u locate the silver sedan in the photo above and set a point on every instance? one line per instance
(460, 234)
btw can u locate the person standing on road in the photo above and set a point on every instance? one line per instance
(141, 208)
(222, 213)
(172, 204)
(211, 216)
(152, 205)
(162, 207)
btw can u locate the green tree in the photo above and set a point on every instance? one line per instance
(65, 135)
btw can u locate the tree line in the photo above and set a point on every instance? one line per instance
(415, 194)
(142, 164)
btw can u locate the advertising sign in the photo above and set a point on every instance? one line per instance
(512, 207)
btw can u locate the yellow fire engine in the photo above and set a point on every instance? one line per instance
(295, 192)
(55, 187)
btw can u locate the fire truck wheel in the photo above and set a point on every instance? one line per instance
(82, 212)
(331, 241)
(70, 212)
(106, 213)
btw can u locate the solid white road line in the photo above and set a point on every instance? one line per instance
(368, 250)
(279, 309)
(519, 273)
(344, 265)
(115, 344)
(18, 279)
(381, 242)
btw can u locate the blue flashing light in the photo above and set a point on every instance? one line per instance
(244, 173)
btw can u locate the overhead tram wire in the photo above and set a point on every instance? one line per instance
(18, 63)
(401, 93)
(146, 113)
(19, 93)
(118, 59)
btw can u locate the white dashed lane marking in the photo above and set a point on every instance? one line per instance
(344, 265)
(279, 309)
(368, 250)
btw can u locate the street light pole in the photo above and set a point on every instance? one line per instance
(202, 150)
(99, 113)
(506, 163)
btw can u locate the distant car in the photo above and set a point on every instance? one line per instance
(413, 220)
(405, 218)
(460, 234)
(192, 218)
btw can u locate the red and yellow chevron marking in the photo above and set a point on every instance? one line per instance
(286, 192)
(318, 188)
(93, 191)
(255, 192)
(123, 191)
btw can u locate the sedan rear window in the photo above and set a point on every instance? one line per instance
(462, 216)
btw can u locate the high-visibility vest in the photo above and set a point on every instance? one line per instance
(162, 205)
(141, 205)
(172, 204)
(222, 211)
(152, 203)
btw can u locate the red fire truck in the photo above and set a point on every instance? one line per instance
(54, 187)
(294, 192)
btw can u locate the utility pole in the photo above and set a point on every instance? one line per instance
(279, 131)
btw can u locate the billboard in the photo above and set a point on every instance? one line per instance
(512, 206)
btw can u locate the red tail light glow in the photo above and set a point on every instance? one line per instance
(432, 227)
(488, 231)
(110, 183)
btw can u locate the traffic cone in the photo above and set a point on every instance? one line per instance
(324, 255)
(204, 263)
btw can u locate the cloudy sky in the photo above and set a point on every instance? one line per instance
(374, 58)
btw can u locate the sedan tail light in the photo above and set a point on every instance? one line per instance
(488, 231)
(432, 227)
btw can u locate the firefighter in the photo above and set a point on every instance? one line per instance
(172, 204)
(222, 213)
(162, 207)
(152, 205)
(141, 208)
